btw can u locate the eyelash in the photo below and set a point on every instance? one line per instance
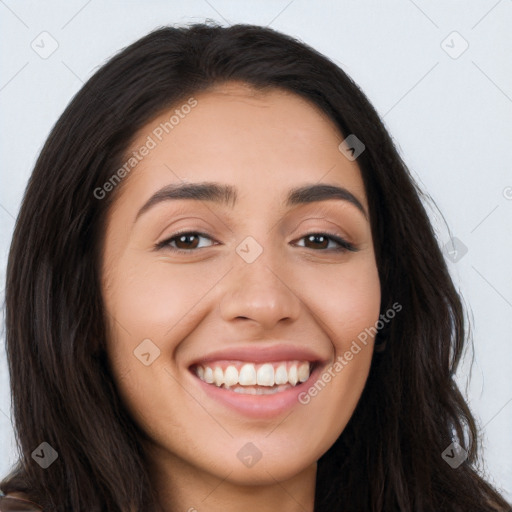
(344, 245)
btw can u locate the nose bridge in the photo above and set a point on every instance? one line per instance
(258, 287)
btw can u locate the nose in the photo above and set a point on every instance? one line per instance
(259, 293)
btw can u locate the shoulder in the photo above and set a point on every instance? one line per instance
(17, 502)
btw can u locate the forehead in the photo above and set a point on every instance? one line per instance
(263, 142)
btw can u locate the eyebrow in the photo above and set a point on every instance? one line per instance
(227, 194)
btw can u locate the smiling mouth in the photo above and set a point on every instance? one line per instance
(254, 379)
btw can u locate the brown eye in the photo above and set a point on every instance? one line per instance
(322, 240)
(186, 241)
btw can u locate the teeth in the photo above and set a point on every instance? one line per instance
(218, 376)
(259, 391)
(265, 375)
(281, 376)
(230, 376)
(273, 376)
(303, 372)
(247, 375)
(292, 375)
(208, 375)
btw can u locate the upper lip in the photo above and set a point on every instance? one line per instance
(256, 353)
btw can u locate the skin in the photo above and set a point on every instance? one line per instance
(190, 304)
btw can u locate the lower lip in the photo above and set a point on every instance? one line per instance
(259, 406)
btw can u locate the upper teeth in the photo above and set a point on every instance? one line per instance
(249, 374)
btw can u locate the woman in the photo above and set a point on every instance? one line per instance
(224, 292)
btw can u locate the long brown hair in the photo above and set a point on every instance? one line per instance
(389, 456)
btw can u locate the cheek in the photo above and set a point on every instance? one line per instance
(347, 309)
(347, 303)
(148, 299)
(151, 301)
(143, 305)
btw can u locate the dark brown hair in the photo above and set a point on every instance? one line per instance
(388, 457)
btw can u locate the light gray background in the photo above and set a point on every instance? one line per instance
(450, 114)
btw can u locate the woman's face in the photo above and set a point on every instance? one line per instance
(260, 289)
